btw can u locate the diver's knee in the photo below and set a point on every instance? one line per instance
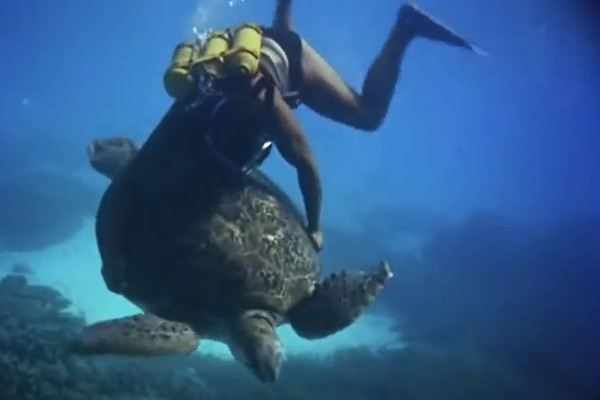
(372, 125)
(368, 122)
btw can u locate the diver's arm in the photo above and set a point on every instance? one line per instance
(295, 150)
(282, 19)
(291, 142)
(310, 185)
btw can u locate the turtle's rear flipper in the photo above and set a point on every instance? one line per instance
(337, 302)
(137, 335)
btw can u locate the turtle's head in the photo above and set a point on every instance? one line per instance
(255, 344)
(110, 156)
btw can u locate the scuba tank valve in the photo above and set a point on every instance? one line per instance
(245, 51)
(217, 43)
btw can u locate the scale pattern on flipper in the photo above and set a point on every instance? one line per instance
(140, 334)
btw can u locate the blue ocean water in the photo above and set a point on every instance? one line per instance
(480, 188)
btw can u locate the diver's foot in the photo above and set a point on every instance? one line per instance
(418, 24)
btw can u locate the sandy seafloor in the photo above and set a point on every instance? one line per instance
(73, 267)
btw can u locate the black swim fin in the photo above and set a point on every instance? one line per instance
(426, 26)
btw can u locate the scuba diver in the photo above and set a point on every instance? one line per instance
(264, 73)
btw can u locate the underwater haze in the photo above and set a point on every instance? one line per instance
(480, 189)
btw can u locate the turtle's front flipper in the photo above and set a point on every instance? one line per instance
(337, 302)
(110, 156)
(137, 335)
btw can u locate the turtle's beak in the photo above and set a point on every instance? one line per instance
(268, 363)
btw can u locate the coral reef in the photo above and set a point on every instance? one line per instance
(37, 328)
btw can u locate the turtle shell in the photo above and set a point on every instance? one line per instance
(185, 238)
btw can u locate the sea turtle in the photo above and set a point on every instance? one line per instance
(206, 253)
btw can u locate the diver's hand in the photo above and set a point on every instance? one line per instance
(316, 237)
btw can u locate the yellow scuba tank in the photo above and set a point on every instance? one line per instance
(223, 54)
(211, 60)
(245, 50)
(179, 80)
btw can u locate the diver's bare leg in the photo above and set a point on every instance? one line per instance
(282, 19)
(325, 92)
